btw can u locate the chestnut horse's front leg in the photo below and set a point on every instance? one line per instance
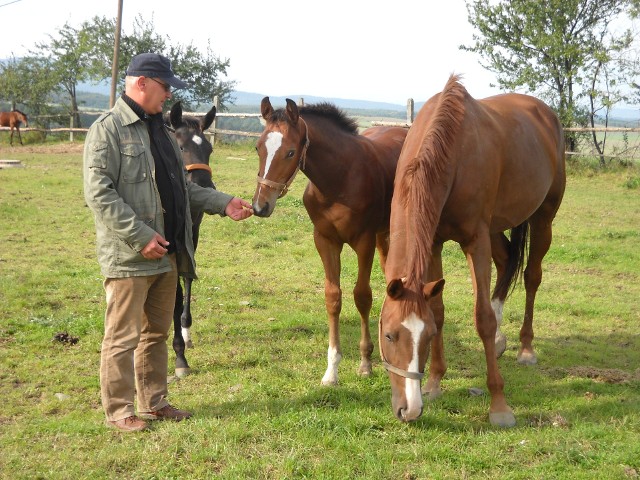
(478, 254)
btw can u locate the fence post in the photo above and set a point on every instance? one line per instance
(410, 111)
(71, 121)
(214, 124)
(301, 102)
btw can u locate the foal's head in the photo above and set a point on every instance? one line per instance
(196, 149)
(281, 149)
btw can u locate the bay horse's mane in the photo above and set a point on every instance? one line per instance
(425, 176)
(325, 110)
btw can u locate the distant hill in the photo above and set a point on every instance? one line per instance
(624, 115)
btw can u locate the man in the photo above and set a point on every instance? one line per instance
(134, 184)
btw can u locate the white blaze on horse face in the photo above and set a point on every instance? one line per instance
(412, 387)
(273, 144)
(197, 140)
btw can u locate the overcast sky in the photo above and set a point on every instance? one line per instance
(356, 49)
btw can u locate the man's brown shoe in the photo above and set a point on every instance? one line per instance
(166, 413)
(129, 424)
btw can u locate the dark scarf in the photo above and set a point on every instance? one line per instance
(168, 168)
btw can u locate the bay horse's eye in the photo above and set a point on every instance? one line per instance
(291, 153)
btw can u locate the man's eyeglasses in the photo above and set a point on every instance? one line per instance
(166, 86)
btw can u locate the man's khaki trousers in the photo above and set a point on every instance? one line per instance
(134, 357)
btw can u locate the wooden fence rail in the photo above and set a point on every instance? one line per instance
(214, 131)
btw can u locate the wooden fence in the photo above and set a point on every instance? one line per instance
(214, 131)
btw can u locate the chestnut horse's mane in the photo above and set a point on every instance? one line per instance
(324, 110)
(425, 175)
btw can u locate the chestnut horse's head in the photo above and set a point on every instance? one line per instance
(281, 151)
(405, 331)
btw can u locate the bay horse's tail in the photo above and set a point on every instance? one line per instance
(515, 263)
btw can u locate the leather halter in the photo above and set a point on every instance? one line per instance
(199, 166)
(283, 188)
(392, 368)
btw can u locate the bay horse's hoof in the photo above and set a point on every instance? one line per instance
(182, 372)
(527, 358)
(502, 419)
(501, 344)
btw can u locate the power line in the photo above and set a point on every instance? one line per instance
(5, 4)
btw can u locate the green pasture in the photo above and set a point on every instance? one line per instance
(261, 339)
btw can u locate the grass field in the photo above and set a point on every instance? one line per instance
(261, 338)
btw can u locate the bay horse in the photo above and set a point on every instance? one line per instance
(348, 198)
(13, 119)
(469, 170)
(196, 150)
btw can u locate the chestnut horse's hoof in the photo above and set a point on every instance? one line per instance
(527, 357)
(502, 419)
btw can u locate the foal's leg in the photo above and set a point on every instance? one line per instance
(437, 365)
(330, 255)
(478, 254)
(185, 318)
(363, 298)
(500, 255)
(182, 367)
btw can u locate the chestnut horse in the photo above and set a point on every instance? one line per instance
(469, 170)
(348, 198)
(196, 150)
(13, 119)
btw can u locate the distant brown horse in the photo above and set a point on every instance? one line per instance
(469, 170)
(13, 119)
(348, 198)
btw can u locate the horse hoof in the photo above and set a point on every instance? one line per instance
(188, 344)
(431, 392)
(501, 344)
(502, 419)
(364, 370)
(182, 372)
(527, 358)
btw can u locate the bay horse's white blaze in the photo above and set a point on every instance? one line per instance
(412, 387)
(501, 338)
(197, 140)
(273, 144)
(333, 360)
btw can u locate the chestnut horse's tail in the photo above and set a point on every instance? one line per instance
(517, 255)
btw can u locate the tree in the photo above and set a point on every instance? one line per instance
(566, 51)
(202, 71)
(29, 81)
(70, 62)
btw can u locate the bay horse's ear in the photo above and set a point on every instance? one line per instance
(395, 288)
(176, 114)
(208, 119)
(432, 289)
(265, 108)
(292, 111)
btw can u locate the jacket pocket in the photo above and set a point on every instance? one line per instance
(98, 153)
(134, 163)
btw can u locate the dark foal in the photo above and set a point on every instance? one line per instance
(196, 150)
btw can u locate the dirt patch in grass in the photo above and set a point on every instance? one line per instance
(63, 147)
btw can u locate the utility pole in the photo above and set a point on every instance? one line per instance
(116, 56)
